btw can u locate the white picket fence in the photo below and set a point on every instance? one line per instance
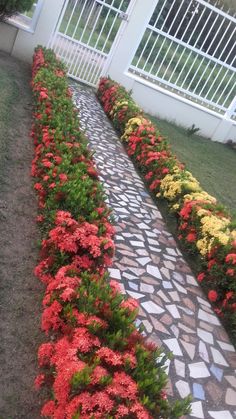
(189, 47)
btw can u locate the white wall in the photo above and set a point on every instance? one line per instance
(158, 101)
(7, 37)
(20, 42)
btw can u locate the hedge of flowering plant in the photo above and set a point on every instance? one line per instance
(205, 228)
(97, 364)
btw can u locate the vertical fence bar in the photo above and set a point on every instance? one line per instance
(171, 43)
(57, 26)
(157, 38)
(73, 48)
(151, 32)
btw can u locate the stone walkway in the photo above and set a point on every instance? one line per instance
(151, 269)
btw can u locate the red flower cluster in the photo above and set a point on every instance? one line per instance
(144, 143)
(97, 362)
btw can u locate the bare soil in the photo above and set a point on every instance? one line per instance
(20, 292)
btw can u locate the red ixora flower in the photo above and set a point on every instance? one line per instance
(211, 263)
(231, 258)
(191, 237)
(48, 409)
(230, 272)
(43, 95)
(39, 380)
(212, 295)
(201, 276)
(130, 304)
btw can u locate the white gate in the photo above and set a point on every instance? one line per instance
(87, 34)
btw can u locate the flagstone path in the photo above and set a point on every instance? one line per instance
(150, 267)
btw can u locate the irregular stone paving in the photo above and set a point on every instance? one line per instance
(151, 269)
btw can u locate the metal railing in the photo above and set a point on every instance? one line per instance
(189, 47)
(86, 35)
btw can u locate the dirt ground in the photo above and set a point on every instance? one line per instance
(20, 291)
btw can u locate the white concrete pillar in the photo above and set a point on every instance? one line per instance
(130, 40)
(25, 42)
(224, 131)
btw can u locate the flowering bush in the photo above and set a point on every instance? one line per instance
(204, 227)
(96, 362)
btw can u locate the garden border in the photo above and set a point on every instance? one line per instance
(205, 228)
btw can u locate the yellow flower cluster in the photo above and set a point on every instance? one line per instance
(213, 228)
(216, 227)
(131, 125)
(117, 106)
(200, 196)
(179, 182)
(205, 245)
(182, 184)
(233, 235)
(175, 207)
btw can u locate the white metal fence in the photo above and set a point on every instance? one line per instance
(189, 46)
(87, 34)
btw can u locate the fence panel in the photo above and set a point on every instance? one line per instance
(189, 46)
(87, 34)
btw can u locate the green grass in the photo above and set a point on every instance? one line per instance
(212, 163)
(8, 89)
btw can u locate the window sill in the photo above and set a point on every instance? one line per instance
(20, 25)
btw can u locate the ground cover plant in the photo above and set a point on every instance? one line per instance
(95, 361)
(204, 227)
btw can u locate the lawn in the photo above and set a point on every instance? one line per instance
(212, 163)
(20, 295)
(8, 89)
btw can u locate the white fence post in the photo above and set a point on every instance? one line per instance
(231, 111)
(130, 40)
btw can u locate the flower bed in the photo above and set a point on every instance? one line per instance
(96, 362)
(205, 228)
